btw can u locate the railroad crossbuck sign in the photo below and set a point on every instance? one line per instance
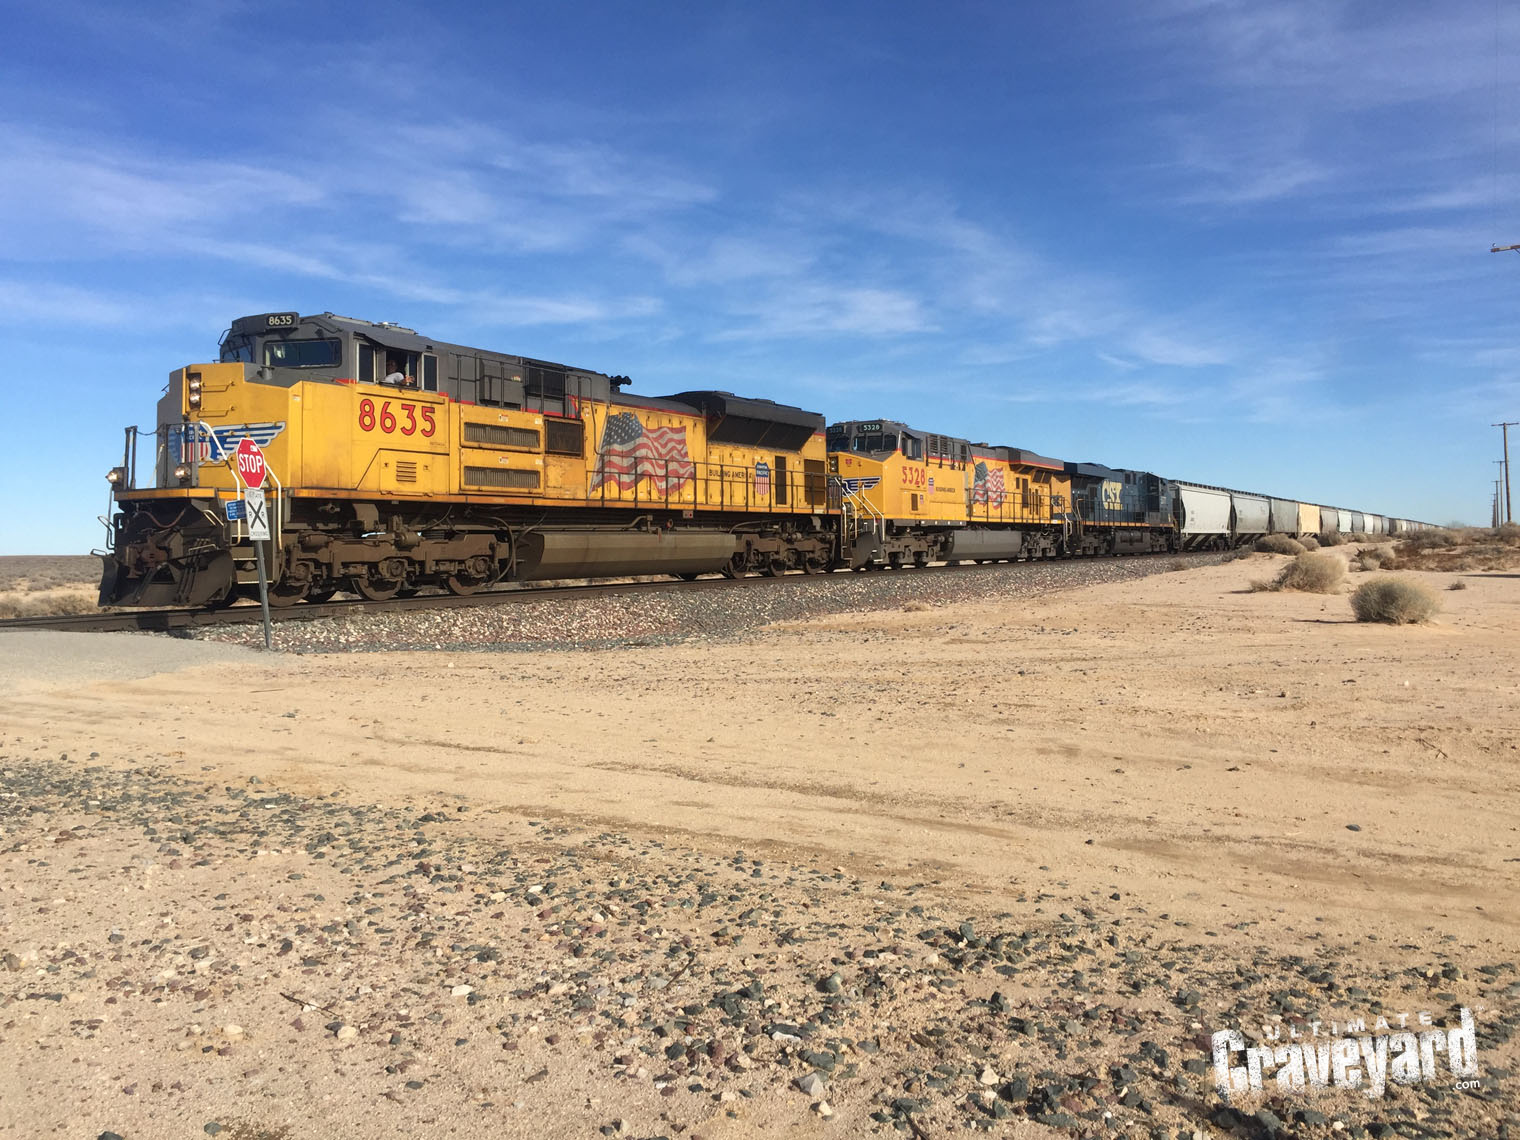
(250, 463)
(258, 514)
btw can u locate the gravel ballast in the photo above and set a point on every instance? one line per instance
(630, 616)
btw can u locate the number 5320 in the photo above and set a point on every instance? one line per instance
(396, 415)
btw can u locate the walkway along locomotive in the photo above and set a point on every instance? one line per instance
(399, 462)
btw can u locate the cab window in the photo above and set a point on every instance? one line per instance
(870, 443)
(912, 447)
(302, 353)
(237, 351)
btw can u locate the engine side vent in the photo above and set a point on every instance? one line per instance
(500, 477)
(498, 435)
(406, 471)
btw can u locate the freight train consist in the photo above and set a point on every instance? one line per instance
(397, 462)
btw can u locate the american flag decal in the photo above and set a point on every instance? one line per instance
(630, 452)
(988, 486)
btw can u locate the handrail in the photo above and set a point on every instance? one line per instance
(857, 499)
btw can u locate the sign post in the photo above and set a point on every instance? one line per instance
(251, 469)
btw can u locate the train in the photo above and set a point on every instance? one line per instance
(397, 462)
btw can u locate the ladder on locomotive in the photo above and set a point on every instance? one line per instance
(854, 507)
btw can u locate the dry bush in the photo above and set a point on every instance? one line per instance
(1397, 601)
(1331, 538)
(1309, 573)
(1309, 542)
(1431, 540)
(915, 607)
(1374, 558)
(59, 600)
(1179, 564)
(1456, 551)
(1458, 585)
(1279, 544)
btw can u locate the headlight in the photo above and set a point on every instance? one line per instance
(182, 472)
(194, 388)
(114, 476)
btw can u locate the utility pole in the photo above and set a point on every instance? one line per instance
(1509, 511)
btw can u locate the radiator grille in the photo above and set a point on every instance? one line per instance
(500, 477)
(566, 437)
(406, 471)
(497, 435)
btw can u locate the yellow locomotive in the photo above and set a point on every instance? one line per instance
(397, 462)
(910, 496)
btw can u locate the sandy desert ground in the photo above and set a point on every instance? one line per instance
(967, 867)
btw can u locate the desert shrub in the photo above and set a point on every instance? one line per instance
(1309, 542)
(1374, 558)
(1397, 601)
(1458, 585)
(1430, 539)
(915, 607)
(1331, 538)
(1179, 564)
(1509, 534)
(1311, 573)
(1278, 544)
(1235, 552)
(51, 602)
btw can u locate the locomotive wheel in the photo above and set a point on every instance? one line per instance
(775, 567)
(375, 589)
(812, 564)
(463, 585)
(282, 594)
(736, 567)
(920, 559)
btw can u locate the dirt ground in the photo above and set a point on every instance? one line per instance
(34, 585)
(1235, 779)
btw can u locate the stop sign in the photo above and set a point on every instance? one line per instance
(250, 463)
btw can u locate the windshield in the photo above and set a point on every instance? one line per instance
(237, 349)
(865, 443)
(303, 353)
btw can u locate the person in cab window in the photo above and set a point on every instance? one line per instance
(393, 373)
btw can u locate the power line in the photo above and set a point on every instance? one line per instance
(1509, 514)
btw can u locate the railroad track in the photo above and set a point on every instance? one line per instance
(168, 620)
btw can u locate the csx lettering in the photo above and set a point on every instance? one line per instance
(385, 417)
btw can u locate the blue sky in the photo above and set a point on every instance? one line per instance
(1237, 242)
